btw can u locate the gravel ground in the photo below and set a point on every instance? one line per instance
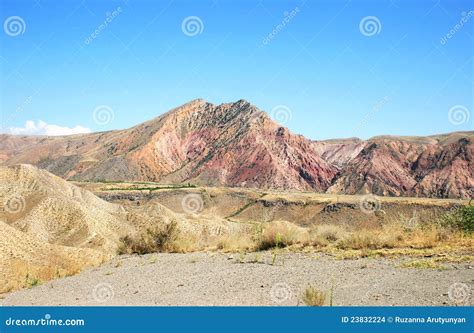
(222, 279)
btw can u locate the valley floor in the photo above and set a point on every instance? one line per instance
(250, 279)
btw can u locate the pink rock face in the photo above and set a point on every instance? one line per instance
(437, 166)
(236, 144)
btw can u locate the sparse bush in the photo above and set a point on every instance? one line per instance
(394, 235)
(185, 243)
(461, 218)
(313, 296)
(166, 236)
(391, 236)
(277, 235)
(32, 281)
(363, 239)
(326, 234)
(425, 238)
(235, 242)
(157, 239)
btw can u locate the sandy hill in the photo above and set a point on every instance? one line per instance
(48, 208)
(51, 228)
(24, 260)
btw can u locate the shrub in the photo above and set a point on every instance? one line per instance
(425, 238)
(363, 239)
(326, 234)
(157, 239)
(313, 296)
(32, 282)
(166, 236)
(277, 235)
(235, 242)
(461, 218)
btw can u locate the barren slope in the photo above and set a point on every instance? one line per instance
(50, 228)
(437, 166)
(25, 259)
(51, 210)
(230, 144)
(236, 144)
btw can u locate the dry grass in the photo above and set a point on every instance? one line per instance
(235, 242)
(157, 239)
(313, 297)
(396, 236)
(422, 264)
(360, 240)
(326, 234)
(278, 235)
(186, 243)
(391, 238)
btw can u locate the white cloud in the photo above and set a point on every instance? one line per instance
(42, 128)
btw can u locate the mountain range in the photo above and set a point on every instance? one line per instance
(238, 145)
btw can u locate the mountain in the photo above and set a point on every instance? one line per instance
(236, 144)
(436, 166)
(230, 144)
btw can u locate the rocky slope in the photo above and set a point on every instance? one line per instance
(437, 166)
(230, 144)
(236, 144)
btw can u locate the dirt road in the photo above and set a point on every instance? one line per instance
(223, 279)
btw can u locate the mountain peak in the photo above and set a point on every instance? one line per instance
(196, 101)
(242, 102)
(237, 144)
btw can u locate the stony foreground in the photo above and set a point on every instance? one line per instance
(251, 279)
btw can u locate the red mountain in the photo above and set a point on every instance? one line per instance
(236, 144)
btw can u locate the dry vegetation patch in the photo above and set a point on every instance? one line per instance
(313, 296)
(437, 240)
(161, 238)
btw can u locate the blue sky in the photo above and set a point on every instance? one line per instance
(314, 61)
